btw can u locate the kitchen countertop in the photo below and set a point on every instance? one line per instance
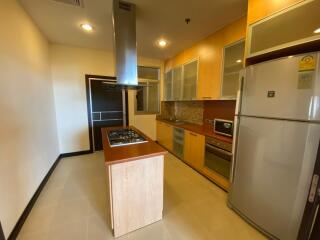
(200, 129)
(120, 154)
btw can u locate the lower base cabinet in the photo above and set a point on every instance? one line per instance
(165, 135)
(193, 153)
(194, 147)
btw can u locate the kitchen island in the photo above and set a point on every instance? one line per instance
(135, 182)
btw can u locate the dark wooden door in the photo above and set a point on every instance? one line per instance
(108, 106)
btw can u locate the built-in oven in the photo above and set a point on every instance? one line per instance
(218, 156)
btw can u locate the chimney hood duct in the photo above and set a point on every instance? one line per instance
(125, 46)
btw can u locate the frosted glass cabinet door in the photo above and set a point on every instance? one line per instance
(190, 78)
(168, 86)
(232, 64)
(290, 27)
(177, 83)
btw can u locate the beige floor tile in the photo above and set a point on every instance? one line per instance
(38, 235)
(73, 205)
(74, 230)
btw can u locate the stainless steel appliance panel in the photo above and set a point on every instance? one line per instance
(272, 173)
(218, 156)
(283, 88)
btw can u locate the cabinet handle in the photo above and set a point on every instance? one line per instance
(206, 97)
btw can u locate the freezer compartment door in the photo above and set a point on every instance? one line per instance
(284, 88)
(272, 173)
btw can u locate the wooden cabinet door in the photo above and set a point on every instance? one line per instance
(164, 135)
(160, 132)
(194, 149)
(208, 87)
(168, 136)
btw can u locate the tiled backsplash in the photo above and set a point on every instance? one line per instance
(198, 112)
(189, 111)
(167, 110)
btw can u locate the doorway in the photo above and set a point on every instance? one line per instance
(107, 106)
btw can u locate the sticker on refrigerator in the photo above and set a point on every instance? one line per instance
(305, 80)
(307, 63)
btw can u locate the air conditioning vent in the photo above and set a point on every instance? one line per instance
(77, 3)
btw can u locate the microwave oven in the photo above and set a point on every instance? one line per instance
(223, 127)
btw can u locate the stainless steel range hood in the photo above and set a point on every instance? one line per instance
(125, 46)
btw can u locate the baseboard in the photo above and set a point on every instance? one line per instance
(14, 234)
(1, 233)
(72, 154)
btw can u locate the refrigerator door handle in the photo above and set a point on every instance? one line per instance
(236, 124)
(314, 188)
(234, 148)
(239, 93)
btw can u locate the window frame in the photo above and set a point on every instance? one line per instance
(147, 81)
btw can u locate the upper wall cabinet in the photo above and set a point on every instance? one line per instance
(168, 86)
(181, 82)
(190, 78)
(233, 56)
(290, 27)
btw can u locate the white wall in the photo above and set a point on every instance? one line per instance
(28, 139)
(69, 67)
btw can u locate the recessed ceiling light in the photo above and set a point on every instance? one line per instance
(86, 27)
(239, 61)
(317, 30)
(162, 43)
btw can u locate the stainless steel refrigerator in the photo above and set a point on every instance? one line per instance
(276, 141)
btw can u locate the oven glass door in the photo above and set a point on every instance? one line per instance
(218, 160)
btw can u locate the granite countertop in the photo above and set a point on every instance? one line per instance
(120, 154)
(200, 129)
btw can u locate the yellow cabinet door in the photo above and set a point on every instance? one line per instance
(194, 147)
(160, 132)
(164, 134)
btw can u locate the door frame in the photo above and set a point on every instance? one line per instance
(309, 228)
(88, 79)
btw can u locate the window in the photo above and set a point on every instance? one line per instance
(148, 95)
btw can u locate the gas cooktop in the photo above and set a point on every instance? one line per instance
(124, 137)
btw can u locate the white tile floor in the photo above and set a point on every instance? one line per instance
(73, 205)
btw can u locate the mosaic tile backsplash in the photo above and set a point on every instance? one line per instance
(198, 112)
(188, 111)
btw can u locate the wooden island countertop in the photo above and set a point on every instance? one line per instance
(120, 154)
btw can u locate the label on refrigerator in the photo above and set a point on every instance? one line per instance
(307, 63)
(305, 80)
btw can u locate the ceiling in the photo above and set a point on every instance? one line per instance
(155, 19)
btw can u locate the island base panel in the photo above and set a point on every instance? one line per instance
(136, 192)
